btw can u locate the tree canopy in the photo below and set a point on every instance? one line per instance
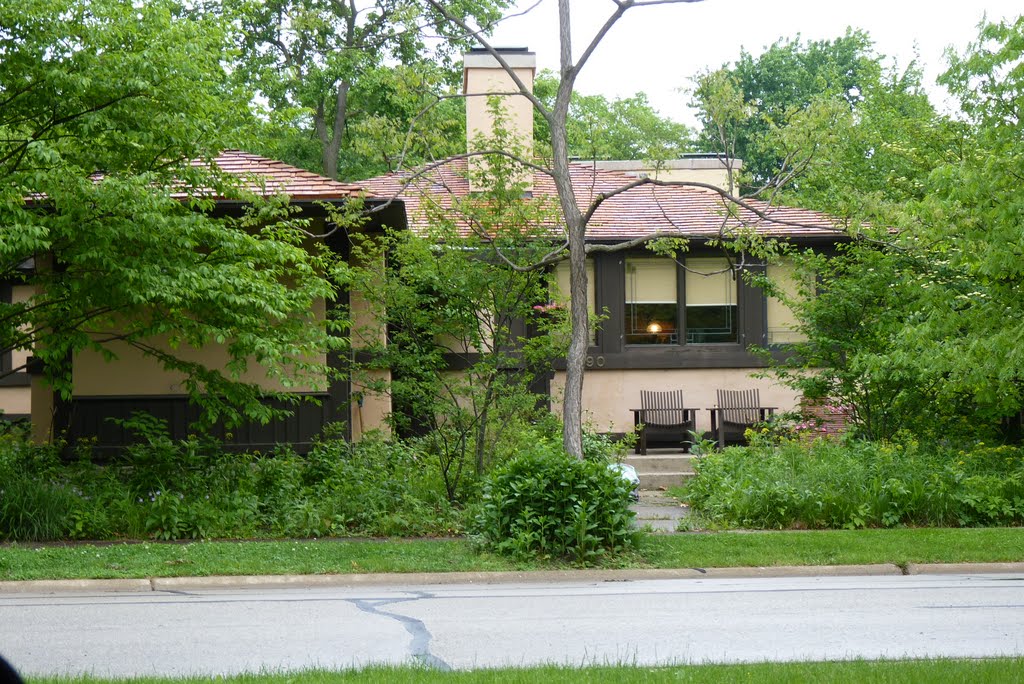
(786, 78)
(327, 71)
(918, 327)
(110, 114)
(599, 128)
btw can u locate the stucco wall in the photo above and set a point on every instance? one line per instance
(369, 409)
(15, 400)
(20, 293)
(133, 373)
(18, 400)
(609, 394)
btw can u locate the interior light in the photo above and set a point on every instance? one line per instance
(654, 328)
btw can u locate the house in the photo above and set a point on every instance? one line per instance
(686, 324)
(134, 382)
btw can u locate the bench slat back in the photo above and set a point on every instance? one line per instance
(740, 406)
(662, 408)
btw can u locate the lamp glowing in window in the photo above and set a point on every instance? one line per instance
(654, 328)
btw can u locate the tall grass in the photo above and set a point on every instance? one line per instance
(834, 484)
(193, 489)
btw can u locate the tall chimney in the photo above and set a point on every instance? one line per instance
(482, 74)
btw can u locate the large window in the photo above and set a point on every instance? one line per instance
(653, 314)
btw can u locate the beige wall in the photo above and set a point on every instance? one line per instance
(18, 399)
(20, 293)
(609, 394)
(372, 412)
(133, 373)
(42, 410)
(15, 400)
(367, 329)
(711, 171)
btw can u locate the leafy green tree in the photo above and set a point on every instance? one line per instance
(855, 307)
(864, 165)
(599, 128)
(783, 80)
(467, 332)
(109, 115)
(918, 326)
(323, 65)
(971, 220)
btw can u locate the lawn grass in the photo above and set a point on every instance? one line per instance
(836, 547)
(995, 670)
(697, 550)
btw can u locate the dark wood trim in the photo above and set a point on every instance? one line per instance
(89, 420)
(16, 380)
(675, 356)
(610, 298)
(6, 293)
(339, 362)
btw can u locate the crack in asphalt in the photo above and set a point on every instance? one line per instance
(419, 647)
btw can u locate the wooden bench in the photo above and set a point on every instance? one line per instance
(737, 410)
(662, 413)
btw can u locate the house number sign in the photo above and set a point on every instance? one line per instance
(595, 362)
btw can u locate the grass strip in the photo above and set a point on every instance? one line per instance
(937, 671)
(315, 557)
(836, 547)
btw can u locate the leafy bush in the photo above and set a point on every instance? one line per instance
(829, 484)
(547, 504)
(185, 489)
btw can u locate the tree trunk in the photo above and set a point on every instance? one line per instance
(572, 401)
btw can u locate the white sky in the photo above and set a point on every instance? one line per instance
(657, 49)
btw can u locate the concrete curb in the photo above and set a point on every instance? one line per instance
(962, 568)
(82, 585)
(448, 578)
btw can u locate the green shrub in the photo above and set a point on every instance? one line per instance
(547, 504)
(188, 489)
(855, 484)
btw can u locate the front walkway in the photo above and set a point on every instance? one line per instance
(659, 511)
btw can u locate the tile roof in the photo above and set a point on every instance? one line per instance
(268, 177)
(631, 214)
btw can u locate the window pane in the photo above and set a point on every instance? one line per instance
(652, 308)
(562, 295)
(710, 302)
(782, 324)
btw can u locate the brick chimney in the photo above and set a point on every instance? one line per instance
(482, 74)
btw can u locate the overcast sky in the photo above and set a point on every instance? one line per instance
(657, 49)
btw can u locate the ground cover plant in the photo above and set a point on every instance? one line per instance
(856, 484)
(192, 489)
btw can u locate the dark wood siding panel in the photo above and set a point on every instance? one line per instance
(609, 270)
(89, 420)
(5, 354)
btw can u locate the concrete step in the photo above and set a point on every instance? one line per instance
(658, 512)
(664, 480)
(661, 463)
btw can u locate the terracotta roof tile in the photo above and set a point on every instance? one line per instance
(269, 177)
(631, 214)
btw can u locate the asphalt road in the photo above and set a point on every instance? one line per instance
(583, 621)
